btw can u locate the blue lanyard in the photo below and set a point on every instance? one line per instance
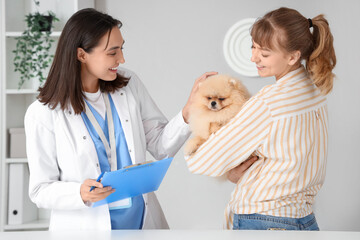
(110, 148)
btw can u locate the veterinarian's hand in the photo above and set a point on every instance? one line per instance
(99, 193)
(185, 111)
(236, 173)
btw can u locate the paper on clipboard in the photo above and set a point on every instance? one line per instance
(134, 181)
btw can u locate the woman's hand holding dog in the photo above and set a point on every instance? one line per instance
(236, 173)
(185, 111)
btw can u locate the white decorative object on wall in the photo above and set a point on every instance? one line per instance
(237, 48)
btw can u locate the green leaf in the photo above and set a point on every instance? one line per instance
(32, 51)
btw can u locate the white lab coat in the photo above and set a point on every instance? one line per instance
(62, 155)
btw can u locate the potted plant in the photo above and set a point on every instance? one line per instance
(32, 55)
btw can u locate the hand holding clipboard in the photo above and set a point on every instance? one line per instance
(134, 180)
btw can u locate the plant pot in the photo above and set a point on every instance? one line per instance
(35, 83)
(32, 83)
(45, 23)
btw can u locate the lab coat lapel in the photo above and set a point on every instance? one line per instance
(122, 108)
(83, 145)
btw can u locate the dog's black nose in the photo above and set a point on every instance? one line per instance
(213, 103)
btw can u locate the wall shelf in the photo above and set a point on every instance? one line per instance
(16, 160)
(21, 91)
(38, 224)
(18, 34)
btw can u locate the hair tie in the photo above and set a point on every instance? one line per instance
(310, 23)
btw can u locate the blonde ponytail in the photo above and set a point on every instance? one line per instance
(322, 60)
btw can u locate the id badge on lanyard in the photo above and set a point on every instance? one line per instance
(110, 148)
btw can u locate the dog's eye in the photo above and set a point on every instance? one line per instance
(209, 98)
(221, 99)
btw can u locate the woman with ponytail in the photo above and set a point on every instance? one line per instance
(285, 124)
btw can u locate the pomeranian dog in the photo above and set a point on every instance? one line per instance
(218, 99)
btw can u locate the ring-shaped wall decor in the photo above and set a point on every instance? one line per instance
(237, 48)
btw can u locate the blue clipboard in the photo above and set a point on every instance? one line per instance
(134, 181)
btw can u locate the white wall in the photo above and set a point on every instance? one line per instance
(169, 43)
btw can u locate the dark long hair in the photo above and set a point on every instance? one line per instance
(292, 32)
(63, 85)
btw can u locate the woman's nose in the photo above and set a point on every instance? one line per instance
(254, 57)
(121, 58)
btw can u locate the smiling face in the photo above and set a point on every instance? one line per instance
(274, 62)
(102, 61)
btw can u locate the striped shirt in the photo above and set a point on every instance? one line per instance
(285, 124)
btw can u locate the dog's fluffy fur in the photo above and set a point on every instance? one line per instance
(219, 98)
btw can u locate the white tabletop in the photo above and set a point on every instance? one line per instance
(181, 235)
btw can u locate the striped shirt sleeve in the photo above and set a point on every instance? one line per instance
(234, 142)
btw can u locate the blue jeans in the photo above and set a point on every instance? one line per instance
(265, 222)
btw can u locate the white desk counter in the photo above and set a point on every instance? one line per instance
(181, 235)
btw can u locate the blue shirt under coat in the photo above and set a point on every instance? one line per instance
(127, 218)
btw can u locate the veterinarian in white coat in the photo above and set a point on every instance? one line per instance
(63, 156)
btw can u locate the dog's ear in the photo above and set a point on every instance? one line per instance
(240, 87)
(234, 82)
